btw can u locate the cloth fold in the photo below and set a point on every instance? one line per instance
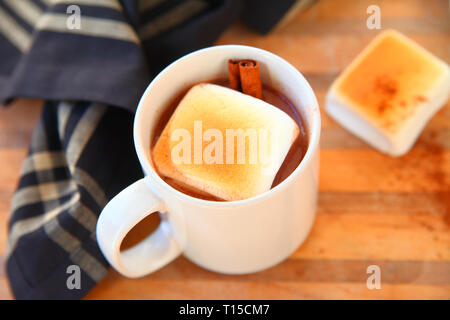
(81, 152)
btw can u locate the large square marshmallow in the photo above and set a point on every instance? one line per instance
(389, 92)
(205, 116)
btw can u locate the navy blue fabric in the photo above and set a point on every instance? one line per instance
(263, 15)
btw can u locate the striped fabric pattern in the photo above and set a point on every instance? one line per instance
(73, 168)
(81, 152)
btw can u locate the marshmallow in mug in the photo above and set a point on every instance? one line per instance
(213, 116)
(389, 92)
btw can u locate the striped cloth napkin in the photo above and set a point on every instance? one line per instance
(81, 153)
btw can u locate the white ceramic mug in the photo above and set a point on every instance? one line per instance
(233, 237)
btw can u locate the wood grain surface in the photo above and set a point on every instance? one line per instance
(373, 209)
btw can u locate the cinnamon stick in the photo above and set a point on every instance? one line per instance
(233, 74)
(250, 78)
(244, 75)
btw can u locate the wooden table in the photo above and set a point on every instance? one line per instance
(373, 209)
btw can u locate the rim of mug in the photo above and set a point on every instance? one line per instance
(313, 130)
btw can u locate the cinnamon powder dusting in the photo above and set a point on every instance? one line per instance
(386, 88)
(420, 98)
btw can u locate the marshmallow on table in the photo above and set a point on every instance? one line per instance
(389, 92)
(221, 109)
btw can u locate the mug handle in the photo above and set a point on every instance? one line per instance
(119, 216)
